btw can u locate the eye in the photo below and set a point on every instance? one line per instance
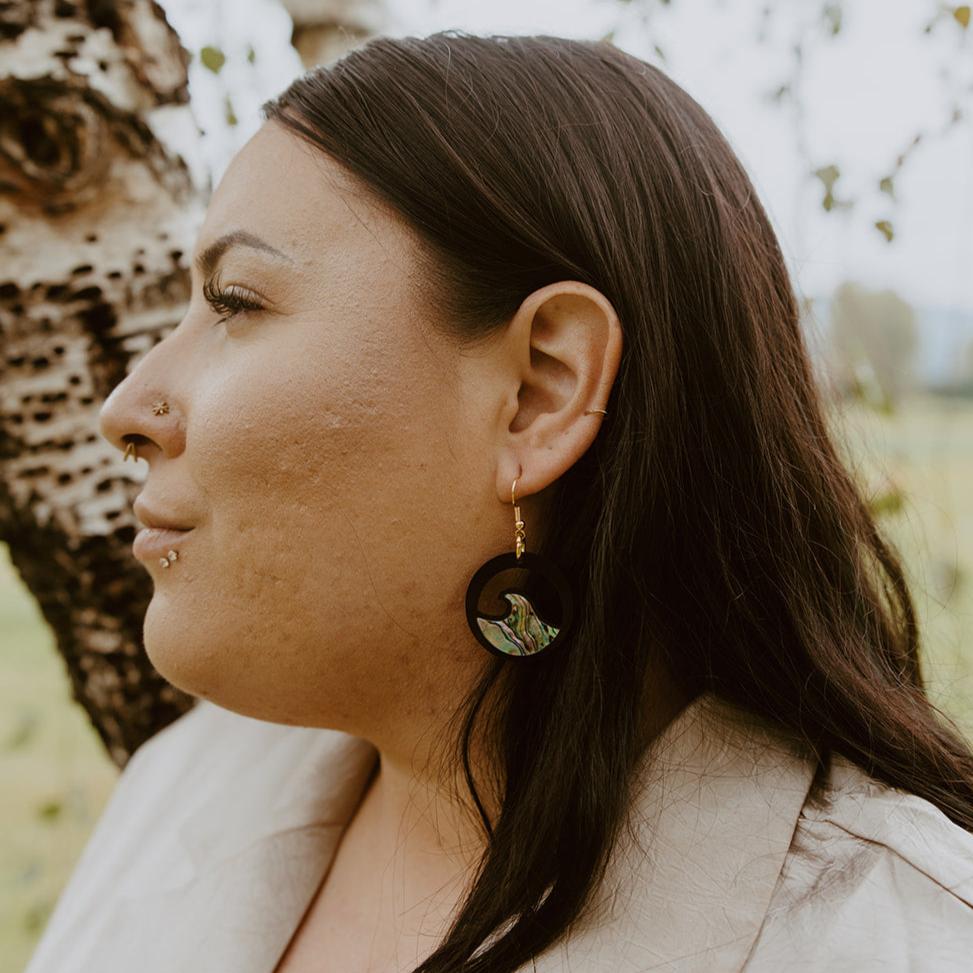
(228, 302)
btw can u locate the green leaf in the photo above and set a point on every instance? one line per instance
(828, 175)
(889, 502)
(886, 227)
(230, 114)
(50, 810)
(212, 58)
(886, 186)
(962, 15)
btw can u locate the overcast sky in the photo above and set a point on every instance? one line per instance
(866, 93)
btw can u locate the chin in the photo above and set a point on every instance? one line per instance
(182, 662)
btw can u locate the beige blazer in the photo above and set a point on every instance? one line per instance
(221, 827)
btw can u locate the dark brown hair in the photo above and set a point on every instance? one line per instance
(711, 527)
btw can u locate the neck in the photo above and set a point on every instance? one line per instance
(404, 862)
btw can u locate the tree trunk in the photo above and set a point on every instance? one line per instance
(326, 29)
(98, 215)
(97, 219)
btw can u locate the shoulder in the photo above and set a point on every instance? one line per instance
(193, 760)
(196, 752)
(875, 878)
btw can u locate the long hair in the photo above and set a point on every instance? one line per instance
(711, 526)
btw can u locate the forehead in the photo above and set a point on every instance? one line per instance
(303, 202)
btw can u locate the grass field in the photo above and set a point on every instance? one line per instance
(57, 778)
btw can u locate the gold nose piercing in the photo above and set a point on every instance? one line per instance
(160, 408)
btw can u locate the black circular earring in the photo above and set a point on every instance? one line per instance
(536, 612)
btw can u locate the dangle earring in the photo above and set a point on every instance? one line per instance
(537, 613)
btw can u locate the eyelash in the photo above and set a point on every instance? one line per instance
(227, 302)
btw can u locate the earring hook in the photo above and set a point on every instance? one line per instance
(520, 537)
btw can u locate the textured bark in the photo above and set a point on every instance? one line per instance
(325, 29)
(97, 220)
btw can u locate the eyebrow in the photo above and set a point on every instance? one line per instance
(210, 257)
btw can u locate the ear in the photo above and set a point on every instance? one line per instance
(563, 349)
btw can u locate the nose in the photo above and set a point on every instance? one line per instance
(143, 416)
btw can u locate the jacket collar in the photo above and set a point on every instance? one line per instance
(716, 808)
(714, 813)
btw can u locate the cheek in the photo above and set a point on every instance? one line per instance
(324, 563)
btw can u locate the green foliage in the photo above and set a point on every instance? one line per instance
(888, 502)
(49, 750)
(829, 175)
(212, 58)
(886, 229)
(50, 810)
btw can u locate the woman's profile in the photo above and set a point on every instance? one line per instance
(536, 623)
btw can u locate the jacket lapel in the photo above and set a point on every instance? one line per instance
(715, 814)
(251, 834)
(248, 857)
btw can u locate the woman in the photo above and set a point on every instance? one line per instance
(535, 622)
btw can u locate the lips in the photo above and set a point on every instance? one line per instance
(157, 542)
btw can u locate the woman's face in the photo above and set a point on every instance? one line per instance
(344, 466)
(315, 447)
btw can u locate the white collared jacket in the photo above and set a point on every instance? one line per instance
(221, 827)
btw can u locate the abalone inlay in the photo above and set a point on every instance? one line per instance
(521, 631)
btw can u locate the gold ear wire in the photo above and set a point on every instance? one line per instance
(520, 537)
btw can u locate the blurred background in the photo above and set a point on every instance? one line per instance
(854, 119)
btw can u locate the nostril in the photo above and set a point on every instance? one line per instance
(131, 443)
